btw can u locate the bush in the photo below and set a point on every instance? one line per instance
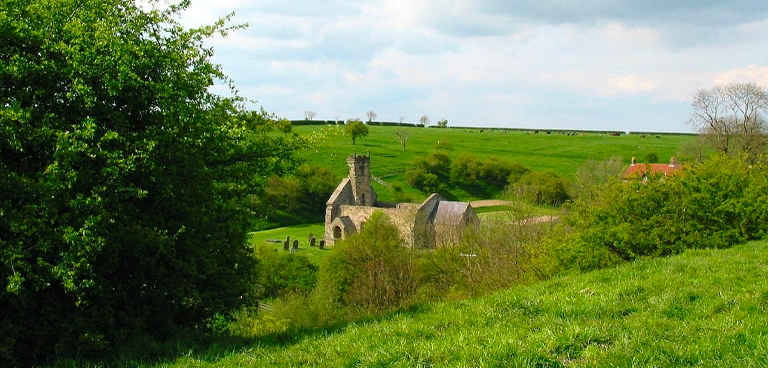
(370, 270)
(542, 188)
(428, 173)
(492, 172)
(281, 273)
(712, 205)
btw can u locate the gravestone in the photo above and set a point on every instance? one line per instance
(310, 237)
(286, 245)
(296, 244)
(322, 244)
(312, 241)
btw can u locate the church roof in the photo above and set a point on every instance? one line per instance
(450, 213)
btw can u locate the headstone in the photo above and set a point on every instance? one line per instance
(296, 244)
(312, 241)
(286, 245)
(311, 236)
(322, 244)
(293, 250)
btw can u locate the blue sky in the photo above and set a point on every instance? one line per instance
(600, 65)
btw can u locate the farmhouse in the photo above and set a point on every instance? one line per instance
(637, 171)
(428, 224)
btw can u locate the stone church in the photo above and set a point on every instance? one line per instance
(431, 223)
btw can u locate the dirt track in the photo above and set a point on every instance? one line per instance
(489, 203)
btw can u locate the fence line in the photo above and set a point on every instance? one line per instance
(380, 181)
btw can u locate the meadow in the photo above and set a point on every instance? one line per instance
(700, 308)
(557, 152)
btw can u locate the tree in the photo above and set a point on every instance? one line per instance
(309, 115)
(336, 119)
(402, 135)
(124, 181)
(284, 125)
(443, 123)
(371, 269)
(402, 119)
(355, 128)
(732, 116)
(650, 158)
(371, 116)
(424, 120)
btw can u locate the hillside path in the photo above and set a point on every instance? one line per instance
(489, 203)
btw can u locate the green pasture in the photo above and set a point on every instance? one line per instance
(557, 152)
(704, 308)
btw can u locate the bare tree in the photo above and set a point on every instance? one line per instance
(337, 118)
(402, 119)
(309, 115)
(403, 136)
(732, 117)
(424, 120)
(371, 115)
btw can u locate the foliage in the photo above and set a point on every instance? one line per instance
(371, 270)
(428, 173)
(442, 123)
(282, 273)
(284, 125)
(712, 205)
(592, 177)
(650, 158)
(355, 129)
(472, 170)
(123, 180)
(299, 198)
(542, 187)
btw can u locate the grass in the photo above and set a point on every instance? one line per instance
(274, 238)
(703, 308)
(560, 153)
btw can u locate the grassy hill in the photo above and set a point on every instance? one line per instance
(557, 151)
(701, 308)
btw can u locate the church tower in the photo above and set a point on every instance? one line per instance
(360, 178)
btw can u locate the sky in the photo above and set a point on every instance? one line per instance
(546, 64)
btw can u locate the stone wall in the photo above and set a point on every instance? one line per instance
(402, 216)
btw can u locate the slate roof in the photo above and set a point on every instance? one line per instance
(449, 213)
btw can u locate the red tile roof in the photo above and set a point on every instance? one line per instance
(640, 171)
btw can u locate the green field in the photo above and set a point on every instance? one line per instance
(560, 153)
(702, 308)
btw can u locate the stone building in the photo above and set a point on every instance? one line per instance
(428, 224)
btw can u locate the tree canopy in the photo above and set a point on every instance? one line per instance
(355, 129)
(124, 182)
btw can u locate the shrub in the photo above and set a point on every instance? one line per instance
(712, 205)
(429, 172)
(370, 270)
(283, 272)
(542, 188)
(492, 172)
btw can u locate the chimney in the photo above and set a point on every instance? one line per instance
(634, 161)
(672, 162)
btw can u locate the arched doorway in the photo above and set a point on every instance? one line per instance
(336, 232)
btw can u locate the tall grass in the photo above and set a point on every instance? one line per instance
(702, 308)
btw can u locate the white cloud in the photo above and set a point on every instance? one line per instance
(490, 62)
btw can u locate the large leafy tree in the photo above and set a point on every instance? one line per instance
(123, 179)
(355, 129)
